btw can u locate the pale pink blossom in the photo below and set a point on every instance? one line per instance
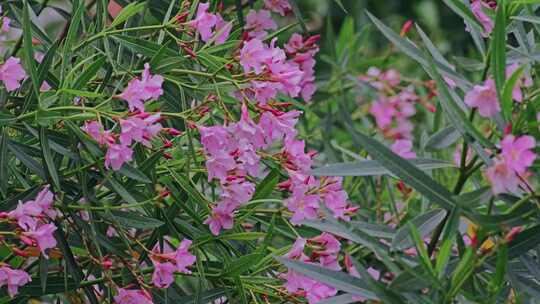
(117, 155)
(478, 8)
(223, 30)
(278, 6)
(163, 275)
(12, 73)
(257, 22)
(502, 178)
(43, 237)
(221, 218)
(517, 152)
(204, 21)
(149, 87)
(141, 128)
(277, 127)
(132, 296)
(6, 24)
(304, 206)
(484, 98)
(14, 279)
(403, 148)
(183, 257)
(253, 56)
(219, 164)
(95, 130)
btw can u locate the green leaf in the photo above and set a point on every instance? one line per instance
(28, 49)
(241, 265)
(462, 272)
(27, 160)
(89, 73)
(442, 139)
(54, 285)
(425, 223)
(127, 12)
(134, 173)
(340, 4)
(404, 170)
(374, 168)
(119, 188)
(80, 93)
(498, 49)
(187, 186)
(464, 12)
(509, 85)
(267, 185)
(142, 46)
(527, 18)
(524, 241)
(133, 220)
(48, 158)
(337, 279)
(497, 280)
(421, 249)
(4, 178)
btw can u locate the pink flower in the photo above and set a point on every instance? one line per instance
(297, 250)
(147, 88)
(140, 129)
(163, 274)
(277, 127)
(238, 192)
(278, 6)
(319, 291)
(335, 198)
(484, 97)
(223, 29)
(95, 130)
(289, 75)
(303, 206)
(265, 90)
(132, 296)
(403, 148)
(214, 138)
(258, 22)
(253, 55)
(12, 73)
(246, 129)
(218, 165)
(221, 218)
(330, 244)
(517, 152)
(27, 214)
(43, 237)
(297, 158)
(502, 177)
(14, 279)
(5, 24)
(117, 155)
(204, 21)
(183, 257)
(477, 8)
(383, 111)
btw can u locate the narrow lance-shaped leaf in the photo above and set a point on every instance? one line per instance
(498, 49)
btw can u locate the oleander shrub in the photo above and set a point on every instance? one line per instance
(211, 152)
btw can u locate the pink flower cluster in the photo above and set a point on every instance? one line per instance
(232, 157)
(484, 97)
(394, 105)
(139, 127)
(33, 217)
(12, 73)
(258, 22)
(509, 170)
(208, 25)
(289, 71)
(168, 262)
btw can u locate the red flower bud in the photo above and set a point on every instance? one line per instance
(406, 28)
(512, 234)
